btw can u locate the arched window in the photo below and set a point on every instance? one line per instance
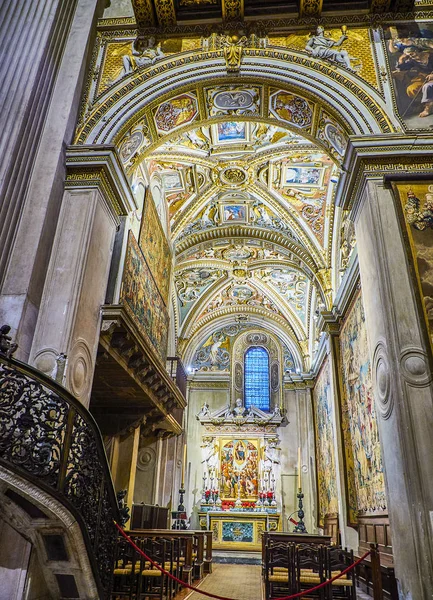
(256, 371)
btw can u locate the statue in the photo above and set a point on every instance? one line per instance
(210, 453)
(7, 347)
(233, 49)
(239, 410)
(322, 46)
(270, 455)
(204, 411)
(142, 55)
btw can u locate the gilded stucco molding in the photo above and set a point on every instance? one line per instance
(90, 167)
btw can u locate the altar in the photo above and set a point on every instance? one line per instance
(241, 496)
(235, 530)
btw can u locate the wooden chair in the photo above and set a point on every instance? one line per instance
(126, 569)
(278, 569)
(310, 569)
(152, 583)
(337, 560)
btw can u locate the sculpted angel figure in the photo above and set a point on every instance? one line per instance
(210, 453)
(322, 46)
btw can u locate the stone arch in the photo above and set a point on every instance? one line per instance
(359, 109)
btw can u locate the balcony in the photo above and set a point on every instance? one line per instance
(131, 384)
(52, 443)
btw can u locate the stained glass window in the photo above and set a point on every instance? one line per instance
(257, 378)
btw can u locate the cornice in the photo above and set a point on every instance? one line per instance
(280, 25)
(100, 167)
(378, 156)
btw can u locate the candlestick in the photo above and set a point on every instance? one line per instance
(183, 464)
(299, 468)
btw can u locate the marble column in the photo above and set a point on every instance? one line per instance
(402, 382)
(45, 46)
(96, 194)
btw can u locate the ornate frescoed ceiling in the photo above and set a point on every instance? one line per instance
(250, 212)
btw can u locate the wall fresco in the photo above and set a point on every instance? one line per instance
(410, 55)
(141, 298)
(364, 470)
(155, 247)
(417, 202)
(325, 458)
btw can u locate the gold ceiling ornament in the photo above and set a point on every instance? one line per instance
(165, 13)
(234, 176)
(233, 46)
(233, 10)
(197, 2)
(143, 11)
(310, 8)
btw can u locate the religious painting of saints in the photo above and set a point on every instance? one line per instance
(410, 56)
(142, 300)
(290, 108)
(363, 458)
(234, 213)
(323, 418)
(155, 247)
(239, 469)
(417, 204)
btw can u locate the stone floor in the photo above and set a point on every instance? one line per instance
(242, 582)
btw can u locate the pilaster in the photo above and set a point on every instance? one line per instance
(401, 358)
(96, 194)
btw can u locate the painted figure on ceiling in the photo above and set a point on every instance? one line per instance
(415, 66)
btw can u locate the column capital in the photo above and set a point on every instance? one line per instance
(378, 156)
(100, 167)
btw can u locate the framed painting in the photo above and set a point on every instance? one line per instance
(302, 176)
(234, 213)
(231, 132)
(409, 49)
(239, 461)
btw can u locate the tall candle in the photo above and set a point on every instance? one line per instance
(299, 468)
(183, 465)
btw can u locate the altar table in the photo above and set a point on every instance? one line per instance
(236, 530)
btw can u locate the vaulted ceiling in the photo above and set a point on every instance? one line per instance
(250, 212)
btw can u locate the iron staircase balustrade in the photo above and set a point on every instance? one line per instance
(49, 438)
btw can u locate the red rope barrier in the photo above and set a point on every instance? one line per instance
(209, 595)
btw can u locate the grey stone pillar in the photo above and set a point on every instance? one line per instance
(46, 45)
(68, 322)
(402, 381)
(305, 426)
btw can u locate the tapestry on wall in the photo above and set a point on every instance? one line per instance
(364, 470)
(142, 299)
(155, 247)
(325, 458)
(239, 468)
(417, 203)
(410, 55)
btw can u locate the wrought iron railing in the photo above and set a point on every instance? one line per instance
(49, 438)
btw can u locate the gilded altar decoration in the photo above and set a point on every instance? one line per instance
(176, 112)
(325, 454)
(155, 247)
(142, 299)
(410, 54)
(417, 203)
(364, 469)
(321, 45)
